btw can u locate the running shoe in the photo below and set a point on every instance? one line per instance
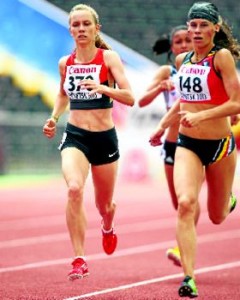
(79, 269)
(174, 255)
(109, 241)
(233, 200)
(188, 288)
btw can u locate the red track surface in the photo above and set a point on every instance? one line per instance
(36, 253)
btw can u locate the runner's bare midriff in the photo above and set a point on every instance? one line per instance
(92, 120)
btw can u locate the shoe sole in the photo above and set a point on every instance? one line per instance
(186, 291)
(73, 277)
(174, 259)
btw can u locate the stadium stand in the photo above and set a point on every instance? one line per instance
(135, 23)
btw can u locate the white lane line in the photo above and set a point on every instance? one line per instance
(35, 222)
(50, 238)
(58, 220)
(98, 256)
(231, 265)
(121, 229)
(94, 232)
(213, 237)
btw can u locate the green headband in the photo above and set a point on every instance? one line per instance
(204, 10)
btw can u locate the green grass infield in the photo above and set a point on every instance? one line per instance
(16, 181)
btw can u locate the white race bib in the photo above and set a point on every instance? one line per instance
(74, 75)
(192, 83)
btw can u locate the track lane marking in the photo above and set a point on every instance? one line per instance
(213, 237)
(94, 232)
(231, 265)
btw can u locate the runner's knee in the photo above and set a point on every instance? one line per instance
(75, 191)
(186, 206)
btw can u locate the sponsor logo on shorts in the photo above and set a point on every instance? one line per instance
(112, 154)
(169, 159)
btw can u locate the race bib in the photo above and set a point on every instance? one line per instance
(192, 83)
(74, 75)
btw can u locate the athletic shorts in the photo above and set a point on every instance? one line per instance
(168, 152)
(209, 151)
(99, 147)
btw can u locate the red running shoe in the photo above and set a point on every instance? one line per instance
(79, 269)
(109, 241)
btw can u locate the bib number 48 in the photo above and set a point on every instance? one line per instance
(191, 84)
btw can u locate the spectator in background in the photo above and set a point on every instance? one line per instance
(209, 93)
(178, 41)
(88, 78)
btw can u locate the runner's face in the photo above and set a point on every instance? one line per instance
(202, 31)
(83, 27)
(181, 42)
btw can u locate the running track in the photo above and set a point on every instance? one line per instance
(36, 254)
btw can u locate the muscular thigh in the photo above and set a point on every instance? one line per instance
(188, 174)
(75, 165)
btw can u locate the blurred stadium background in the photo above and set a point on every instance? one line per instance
(34, 35)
